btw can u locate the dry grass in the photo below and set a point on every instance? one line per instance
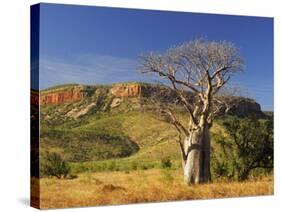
(153, 185)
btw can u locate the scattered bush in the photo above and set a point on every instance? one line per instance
(52, 164)
(247, 149)
(88, 146)
(166, 163)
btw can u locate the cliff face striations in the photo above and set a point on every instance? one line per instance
(61, 96)
(126, 90)
(115, 95)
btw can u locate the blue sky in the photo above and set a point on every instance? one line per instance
(95, 45)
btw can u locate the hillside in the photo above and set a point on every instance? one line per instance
(100, 122)
(73, 101)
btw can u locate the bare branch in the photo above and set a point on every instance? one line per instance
(184, 156)
(176, 122)
(185, 103)
(199, 66)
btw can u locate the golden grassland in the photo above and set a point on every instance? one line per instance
(153, 185)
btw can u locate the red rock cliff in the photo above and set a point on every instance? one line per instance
(233, 105)
(126, 90)
(58, 97)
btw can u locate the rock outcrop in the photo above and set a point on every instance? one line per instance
(61, 96)
(126, 90)
(241, 106)
(137, 93)
(132, 90)
(115, 102)
(76, 113)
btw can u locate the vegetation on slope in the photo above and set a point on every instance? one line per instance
(128, 154)
(128, 137)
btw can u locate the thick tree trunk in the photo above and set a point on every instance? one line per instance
(197, 166)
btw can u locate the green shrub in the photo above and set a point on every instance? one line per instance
(246, 151)
(52, 164)
(166, 163)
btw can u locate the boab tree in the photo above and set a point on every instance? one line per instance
(202, 67)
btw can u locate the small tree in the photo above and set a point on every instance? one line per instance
(52, 164)
(166, 163)
(249, 147)
(202, 68)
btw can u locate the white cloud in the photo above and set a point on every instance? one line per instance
(89, 69)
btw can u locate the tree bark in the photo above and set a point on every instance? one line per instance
(197, 166)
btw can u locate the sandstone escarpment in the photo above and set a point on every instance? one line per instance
(131, 96)
(61, 96)
(132, 90)
(126, 90)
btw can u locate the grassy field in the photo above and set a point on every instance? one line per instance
(115, 133)
(153, 185)
(116, 155)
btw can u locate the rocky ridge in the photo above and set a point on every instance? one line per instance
(116, 94)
